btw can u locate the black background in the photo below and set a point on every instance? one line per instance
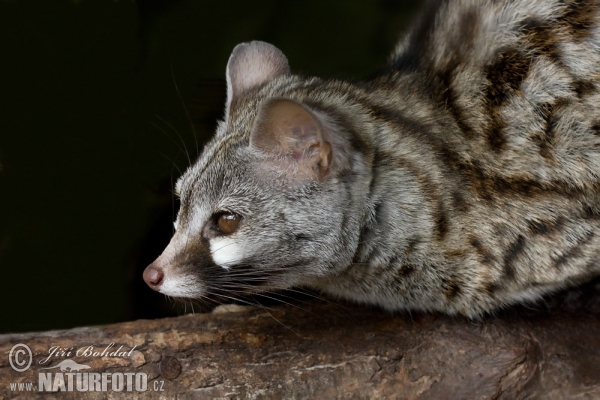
(99, 101)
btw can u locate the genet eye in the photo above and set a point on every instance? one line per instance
(228, 222)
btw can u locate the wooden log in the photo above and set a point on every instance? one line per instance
(325, 351)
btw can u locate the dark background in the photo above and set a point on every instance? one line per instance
(99, 101)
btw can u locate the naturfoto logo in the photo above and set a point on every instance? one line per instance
(67, 375)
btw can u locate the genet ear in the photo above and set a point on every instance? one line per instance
(251, 65)
(292, 133)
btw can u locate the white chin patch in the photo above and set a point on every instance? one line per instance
(180, 286)
(226, 252)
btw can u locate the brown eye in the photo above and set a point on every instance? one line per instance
(228, 222)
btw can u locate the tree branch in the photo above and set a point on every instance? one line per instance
(327, 351)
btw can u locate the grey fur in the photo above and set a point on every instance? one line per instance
(463, 178)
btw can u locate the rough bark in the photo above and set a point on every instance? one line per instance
(326, 351)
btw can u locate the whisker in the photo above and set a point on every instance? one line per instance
(186, 110)
(173, 164)
(316, 296)
(237, 299)
(279, 322)
(181, 148)
(279, 300)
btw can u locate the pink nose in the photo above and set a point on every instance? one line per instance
(153, 276)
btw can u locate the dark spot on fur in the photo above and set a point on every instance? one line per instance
(539, 227)
(459, 43)
(441, 222)
(509, 271)
(458, 48)
(491, 287)
(404, 124)
(383, 113)
(455, 254)
(375, 163)
(545, 138)
(491, 187)
(364, 237)
(541, 39)
(432, 191)
(574, 252)
(411, 245)
(450, 98)
(484, 252)
(523, 186)
(376, 160)
(543, 146)
(405, 271)
(358, 144)
(590, 213)
(505, 75)
(301, 236)
(380, 216)
(452, 289)
(584, 88)
(580, 17)
(560, 261)
(474, 174)
(464, 40)
(544, 227)
(396, 259)
(377, 210)
(459, 202)
(596, 128)
(495, 135)
(511, 255)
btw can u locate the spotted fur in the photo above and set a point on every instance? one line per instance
(463, 178)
